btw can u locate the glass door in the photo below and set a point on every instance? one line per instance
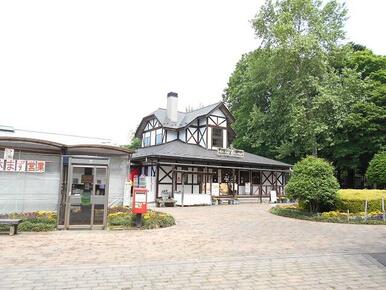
(87, 197)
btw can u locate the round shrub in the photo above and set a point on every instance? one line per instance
(376, 172)
(313, 184)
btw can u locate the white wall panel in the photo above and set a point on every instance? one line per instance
(24, 192)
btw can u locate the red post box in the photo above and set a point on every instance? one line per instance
(139, 200)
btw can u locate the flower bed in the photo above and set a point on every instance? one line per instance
(38, 221)
(123, 218)
(293, 211)
(354, 200)
(118, 217)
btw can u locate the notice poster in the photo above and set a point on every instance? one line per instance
(85, 198)
(31, 165)
(8, 153)
(273, 196)
(10, 165)
(2, 164)
(21, 165)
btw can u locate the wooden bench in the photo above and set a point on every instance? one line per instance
(230, 199)
(160, 202)
(12, 223)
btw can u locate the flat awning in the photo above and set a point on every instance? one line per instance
(44, 146)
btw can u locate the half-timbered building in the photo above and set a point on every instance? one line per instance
(188, 156)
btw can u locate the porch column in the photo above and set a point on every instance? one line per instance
(157, 180)
(250, 183)
(183, 188)
(261, 186)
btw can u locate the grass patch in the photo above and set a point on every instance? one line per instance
(294, 211)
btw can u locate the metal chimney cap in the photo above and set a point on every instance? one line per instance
(172, 94)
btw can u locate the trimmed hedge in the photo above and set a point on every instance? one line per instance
(293, 211)
(354, 200)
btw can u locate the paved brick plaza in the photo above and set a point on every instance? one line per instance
(241, 246)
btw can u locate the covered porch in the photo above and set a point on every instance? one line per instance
(208, 183)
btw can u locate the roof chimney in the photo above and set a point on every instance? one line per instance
(172, 105)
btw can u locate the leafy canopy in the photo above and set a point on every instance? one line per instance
(303, 92)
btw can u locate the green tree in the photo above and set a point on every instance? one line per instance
(362, 129)
(376, 172)
(279, 84)
(303, 92)
(313, 184)
(135, 144)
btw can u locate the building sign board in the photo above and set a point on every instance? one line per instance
(230, 152)
(16, 165)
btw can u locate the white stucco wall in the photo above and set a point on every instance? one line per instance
(25, 192)
(118, 177)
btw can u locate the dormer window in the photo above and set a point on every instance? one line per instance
(146, 139)
(217, 137)
(158, 137)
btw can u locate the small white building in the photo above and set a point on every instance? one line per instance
(77, 176)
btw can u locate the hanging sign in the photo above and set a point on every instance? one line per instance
(2, 164)
(8, 153)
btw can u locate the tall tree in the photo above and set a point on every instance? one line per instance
(276, 89)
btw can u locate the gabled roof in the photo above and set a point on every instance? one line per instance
(179, 150)
(184, 119)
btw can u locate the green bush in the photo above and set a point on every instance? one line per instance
(153, 219)
(124, 219)
(354, 200)
(313, 184)
(376, 172)
(35, 226)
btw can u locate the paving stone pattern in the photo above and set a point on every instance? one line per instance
(219, 247)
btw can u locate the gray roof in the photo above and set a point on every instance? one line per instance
(179, 149)
(183, 119)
